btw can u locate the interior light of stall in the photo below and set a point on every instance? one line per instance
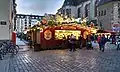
(81, 21)
(38, 28)
(84, 20)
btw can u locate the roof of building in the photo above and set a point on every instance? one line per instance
(73, 2)
(101, 2)
(29, 15)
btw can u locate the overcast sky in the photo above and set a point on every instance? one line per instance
(38, 7)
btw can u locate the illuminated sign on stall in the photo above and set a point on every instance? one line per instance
(47, 34)
(59, 34)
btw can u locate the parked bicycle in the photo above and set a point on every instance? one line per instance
(1, 52)
(10, 47)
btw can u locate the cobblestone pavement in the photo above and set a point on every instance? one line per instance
(66, 61)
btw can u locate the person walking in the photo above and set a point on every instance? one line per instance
(68, 43)
(103, 41)
(98, 40)
(80, 42)
(30, 41)
(89, 42)
(72, 42)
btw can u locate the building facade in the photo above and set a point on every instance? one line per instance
(24, 22)
(79, 9)
(7, 14)
(109, 14)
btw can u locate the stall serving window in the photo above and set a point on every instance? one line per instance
(59, 34)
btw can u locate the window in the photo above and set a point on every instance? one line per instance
(119, 11)
(95, 11)
(99, 13)
(68, 3)
(87, 10)
(104, 12)
(118, 4)
(79, 14)
(112, 11)
(64, 12)
(68, 12)
(95, 8)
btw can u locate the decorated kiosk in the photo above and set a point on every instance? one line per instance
(52, 37)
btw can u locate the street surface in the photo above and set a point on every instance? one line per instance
(64, 60)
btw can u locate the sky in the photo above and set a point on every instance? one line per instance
(38, 7)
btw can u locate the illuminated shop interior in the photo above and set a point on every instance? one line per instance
(59, 34)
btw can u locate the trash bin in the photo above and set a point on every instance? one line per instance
(37, 47)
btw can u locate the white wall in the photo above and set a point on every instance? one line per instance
(4, 15)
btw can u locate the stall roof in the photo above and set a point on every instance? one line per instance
(105, 31)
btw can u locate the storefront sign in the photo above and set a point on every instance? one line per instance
(59, 34)
(47, 34)
(3, 23)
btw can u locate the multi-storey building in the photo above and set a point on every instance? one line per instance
(109, 14)
(24, 22)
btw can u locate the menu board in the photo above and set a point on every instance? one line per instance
(59, 34)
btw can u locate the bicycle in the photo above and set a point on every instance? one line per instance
(10, 47)
(1, 53)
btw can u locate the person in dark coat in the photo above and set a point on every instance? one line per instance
(72, 42)
(68, 43)
(30, 41)
(98, 40)
(89, 43)
(103, 41)
(80, 42)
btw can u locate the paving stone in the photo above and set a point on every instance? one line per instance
(66, 61)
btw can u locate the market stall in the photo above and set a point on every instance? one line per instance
(52, 37)
(105, 32)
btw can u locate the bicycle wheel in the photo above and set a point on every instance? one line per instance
(17, 48)
(14, 51)
(1, 55)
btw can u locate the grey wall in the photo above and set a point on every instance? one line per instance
(4, 15)
(106, 20)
